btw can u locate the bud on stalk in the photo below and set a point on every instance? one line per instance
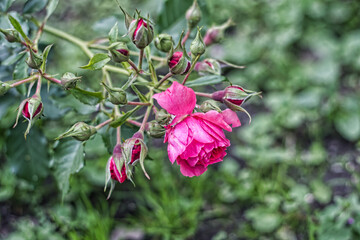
(156, 130)
(116, 96)
(69, 80)
(193, 15)
(80, 131)
(141, 32)
(164, 42)
(197, 47)
(208, 66)
(34, 60)
(178, 59)
(11, 35)
(119, 52)
(216, 34)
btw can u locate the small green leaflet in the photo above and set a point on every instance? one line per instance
(18, 28)
(98, 61)
(86, 97)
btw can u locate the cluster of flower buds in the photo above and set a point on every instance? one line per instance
(125, 157)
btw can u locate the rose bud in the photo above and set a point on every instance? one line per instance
(69, 80)
(162, 117)
(80, 131)
(4, 87)
(208, 66)
(116, 96)
(193, 15)
(11, 35)
(31, 109)
(164, 42)
(156, 130)
(135, 150)
(141, 32)
(209, 105)
(115, 162)
(119, 52)
(197, 47)
(234, 96)
(178, 60)
(34, 60)
(216, 34)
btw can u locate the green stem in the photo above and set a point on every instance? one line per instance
(118, 135)
(163, 79)
(133, 122)
(52, 79)
(116, 70)
(201, 94)
(143, 124)
(191, 68)
(103, 124)
(38, 86)
(132, 64)
(186, 37)
(29, 79)
(141, 56)
(138, 103)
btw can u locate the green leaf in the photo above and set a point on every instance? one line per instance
(121, 120)
(113, 34)
(50, 8)
(263, 219)
(322, 192)
(98, 61)
(87, 97)
(68, 159)
(28, 159)
(18, 28)
(12, 59)
(5, 4)
(171, 12)
(139, 94)
(45, 55)
(206, 80)
(32, 6)
(20, 72)
(348, 125)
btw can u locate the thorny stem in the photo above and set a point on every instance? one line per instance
(186, 37)
(201, 94)
(38, 35)
(164, 79)
(103, 124)
(29, 79)
(139, 103)
(191, 68)
(141, 56)
(118, 135)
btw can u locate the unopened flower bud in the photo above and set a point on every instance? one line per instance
(34, 60)
(178, 60)
(119, 52)
(208, 66)
(11, 35)
(4, 87)
(209, 105)
(193, 15)
(116, 96)
(216, 34)
(80, 131)
(162, 117)
(117, 162)
(141, 32)
(135, 150)
(197, 46)
(69, 80)
(164, 42)
(31, 109)
(156, 130)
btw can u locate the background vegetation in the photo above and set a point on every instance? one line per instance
(292, 174)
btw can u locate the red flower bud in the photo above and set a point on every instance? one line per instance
(216, 34)
(208, 66)
(141, 32)
(25, 111)
(178, 64)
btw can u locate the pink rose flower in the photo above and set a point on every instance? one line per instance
(195, 140)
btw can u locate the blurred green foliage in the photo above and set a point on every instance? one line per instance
(292, 174)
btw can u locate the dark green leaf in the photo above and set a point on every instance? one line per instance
(171, 12)
(139, 94)
(28, 158)
(98, 61)
(348, 125)
(206, 80)
(18, 28)
(87, 97)
(12, 59)
(32, 6)
(5, 4)
(68, 159)
(50, 8)
(20, 72)
(121, 120)
(45, 55)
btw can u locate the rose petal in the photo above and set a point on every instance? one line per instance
(189, 171)
(231, 118)
(215, 118)
(177, 99)
(198, 132)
